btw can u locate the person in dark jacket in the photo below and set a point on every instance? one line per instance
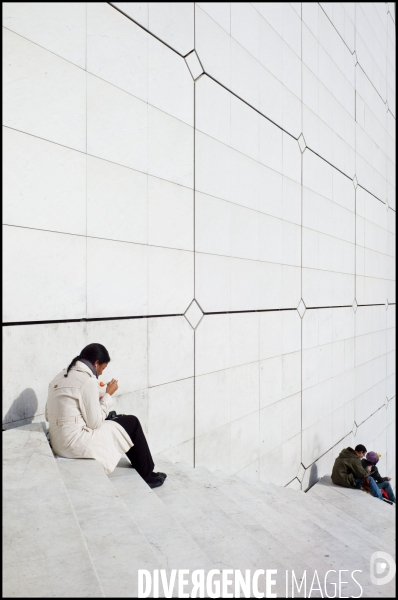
(383, 483)
(348, 471)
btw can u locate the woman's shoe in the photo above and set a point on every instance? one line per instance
(154, 481)
(156, 484)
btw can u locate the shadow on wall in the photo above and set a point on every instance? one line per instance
(22, 409)
(313, 476)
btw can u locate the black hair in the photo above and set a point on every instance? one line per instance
(92, 352)
(360, 448)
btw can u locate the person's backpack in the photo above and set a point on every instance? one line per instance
(384, 493)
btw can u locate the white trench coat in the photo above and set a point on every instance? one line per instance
(77, 419)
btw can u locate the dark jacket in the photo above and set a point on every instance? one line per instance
(347, 467)
(374, 472)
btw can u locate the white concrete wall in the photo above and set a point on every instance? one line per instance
(257, 180)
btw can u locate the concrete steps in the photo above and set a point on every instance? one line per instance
(379, 509)
(337, 522)
(211, 523)
(170, 542)
(321, 549)
(358, 506)
(114, 541)
(44, 551)
(72, 531)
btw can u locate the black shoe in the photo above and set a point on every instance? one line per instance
(388, 501)
(160, 475)
(154, 481)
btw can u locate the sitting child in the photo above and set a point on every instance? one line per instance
(371, 459)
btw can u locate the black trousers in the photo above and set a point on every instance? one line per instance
(139, 455)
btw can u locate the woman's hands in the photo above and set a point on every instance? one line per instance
(112, 387)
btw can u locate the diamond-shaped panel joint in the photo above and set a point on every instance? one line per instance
(193, 314)
(354, 58)
(387, 205)
(300, 473)
(386, 402)
(386, 303)
(355, 305)
(355, 182)
(194, 64)
(301, 308)
(354, 429)
(301, 143)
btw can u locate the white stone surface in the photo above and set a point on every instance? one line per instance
(170, 280)
(238, 385)
(43, 257)
(25, 385)
(173, 23)
(173, 162)
(41, 532)
(117, 49)
(213, 449)
(328, 384)
(197, 519)
(174, 402)
(212, 43)
(92, 495)
(170, 86)
(117, 125)
(113, 190)
(375, 253)
(182, 453)
(39, 87)
(159, 155)
(220, 12)
(56, 26)
(170, 215)
(125, 265)
(51, 194)
(213, 281)
(170, 350)
(328, 235)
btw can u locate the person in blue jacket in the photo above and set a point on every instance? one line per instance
(370, 460)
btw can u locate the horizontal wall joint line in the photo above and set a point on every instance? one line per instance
(87, 320)
(206, 313)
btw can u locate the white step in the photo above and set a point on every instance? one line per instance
(72, 531)
(44, 553)
(171, 544)
(224, 541)
(367, 501)
(337, 522)
(350, 505)
(273, 538)
(360, 541)
(321, 550)
(243, 529)
(117, 546)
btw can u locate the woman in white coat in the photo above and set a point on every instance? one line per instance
(79, 423)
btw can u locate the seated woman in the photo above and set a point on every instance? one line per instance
(79, 427)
